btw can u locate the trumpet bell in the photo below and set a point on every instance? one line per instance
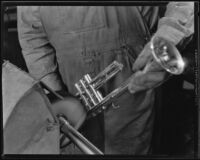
(167, 55)
(164, 53)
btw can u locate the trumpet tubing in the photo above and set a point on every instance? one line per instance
(81, 142)
(164, 53)
(88, 88)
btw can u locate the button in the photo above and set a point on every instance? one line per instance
(115, 106)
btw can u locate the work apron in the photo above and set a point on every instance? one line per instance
(28, 125)
(87, 39)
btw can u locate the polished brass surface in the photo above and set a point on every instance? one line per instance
(164, 53)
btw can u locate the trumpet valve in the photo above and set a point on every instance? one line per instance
(88, 88)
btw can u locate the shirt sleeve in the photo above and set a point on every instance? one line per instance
(38, 53)
(178, 22)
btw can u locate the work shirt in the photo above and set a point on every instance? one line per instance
(86, 39)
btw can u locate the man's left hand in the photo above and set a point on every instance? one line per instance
(148, 73)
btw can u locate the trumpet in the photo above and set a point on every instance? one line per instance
(164, 53)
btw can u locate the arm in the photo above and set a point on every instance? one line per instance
(178, 22)
(175, 26)
(36, 49)
(38, 53)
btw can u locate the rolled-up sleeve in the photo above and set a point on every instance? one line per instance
(178, 22)
(38, 53)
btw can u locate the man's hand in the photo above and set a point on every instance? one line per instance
(148, 73)
(73, 110)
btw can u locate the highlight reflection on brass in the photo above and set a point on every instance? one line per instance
(167, 55)
(164, 53)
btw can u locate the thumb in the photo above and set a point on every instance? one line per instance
(133, 86)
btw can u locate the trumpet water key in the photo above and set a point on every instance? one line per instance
(164, 53)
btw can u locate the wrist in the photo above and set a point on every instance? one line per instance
(169, 33)
(53, 81)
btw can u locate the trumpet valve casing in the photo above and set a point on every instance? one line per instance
(88, 88)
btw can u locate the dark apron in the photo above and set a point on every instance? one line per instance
(87, 39)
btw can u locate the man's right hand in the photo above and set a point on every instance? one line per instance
(147, 72)
(72, 109)
(74, 112)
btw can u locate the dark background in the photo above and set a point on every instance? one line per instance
(176, 114)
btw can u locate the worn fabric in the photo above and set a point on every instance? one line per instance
(86, 39)
(13, 82)
(178, 22)
(29, 127)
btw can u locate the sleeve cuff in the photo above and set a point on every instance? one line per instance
(185, 27)
(53, 81)
(171, 34)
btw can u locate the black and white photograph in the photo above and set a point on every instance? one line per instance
(104, 79)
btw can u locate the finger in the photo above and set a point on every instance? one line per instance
(135, 88)
(142, 59)
(150, 77)
(153, 66)
(143, 81)
(153, 79)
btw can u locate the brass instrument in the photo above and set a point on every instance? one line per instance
(68, 128)
(17, 123)
(164, 53)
